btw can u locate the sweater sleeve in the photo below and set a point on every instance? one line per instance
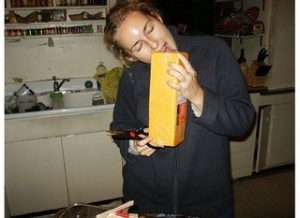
(124, 112)
(228, 109)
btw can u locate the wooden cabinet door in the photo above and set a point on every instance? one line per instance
(93, 167)
(35, 176)
(281, 146)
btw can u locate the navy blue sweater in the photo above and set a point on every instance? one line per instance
(193, 178)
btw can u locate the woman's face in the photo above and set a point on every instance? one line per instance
(140, 35)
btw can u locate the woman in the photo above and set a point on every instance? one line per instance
(193, 178)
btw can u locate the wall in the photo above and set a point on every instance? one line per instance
(282, 43)
(33, 59)
(75, 57)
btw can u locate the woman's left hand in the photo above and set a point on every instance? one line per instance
(143, 146)
(187, 81)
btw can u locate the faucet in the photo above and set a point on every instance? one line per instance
(56, 85)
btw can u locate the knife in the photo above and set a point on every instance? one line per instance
(263, 53)
(129, 134)
(126, 134)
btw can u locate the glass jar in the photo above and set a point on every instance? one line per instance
(57, 100)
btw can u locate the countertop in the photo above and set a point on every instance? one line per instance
(263, 90)
(60, 112)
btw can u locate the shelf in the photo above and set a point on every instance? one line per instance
(218, 1)
(239, 36)
(56, 7)
(62, 27)
(18, 38)
(52, 24)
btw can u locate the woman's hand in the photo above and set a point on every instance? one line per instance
(187, 83)
(141, 146)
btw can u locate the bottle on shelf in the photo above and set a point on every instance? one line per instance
(242, 61)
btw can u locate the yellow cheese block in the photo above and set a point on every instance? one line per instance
(167, 107)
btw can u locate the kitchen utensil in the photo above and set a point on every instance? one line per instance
(125, 134)
(129, 134)
(26, 102)
(263, 53)
(24, 90)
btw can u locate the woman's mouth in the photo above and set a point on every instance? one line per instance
(164, 48)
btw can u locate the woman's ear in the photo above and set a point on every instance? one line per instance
(127, 57)
(131, 59)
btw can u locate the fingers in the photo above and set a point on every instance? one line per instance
(183, 72)
(186, 63)
(144, 140)
(143, 146)
(173, 85)
(187, 82)
(145, 151)
(183, 77)
(146, 130)
(177, 71)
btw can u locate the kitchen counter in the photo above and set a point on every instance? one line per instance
(266, 91)
(257, 89)
(47, 113)
(81, 110)
(277, 91)
(54, 123)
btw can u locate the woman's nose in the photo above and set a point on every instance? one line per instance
(152, 44)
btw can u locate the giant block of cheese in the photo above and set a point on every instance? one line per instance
(167, 107)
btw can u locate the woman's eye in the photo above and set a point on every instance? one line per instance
(149, 29)
(138, 47)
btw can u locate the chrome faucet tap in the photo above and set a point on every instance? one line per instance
(56, 85)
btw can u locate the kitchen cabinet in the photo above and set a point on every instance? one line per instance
(34, 175)
(276, 137)
(61, 159)
(92, 161)
(271, 141)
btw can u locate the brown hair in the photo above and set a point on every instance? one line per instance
(116, 16)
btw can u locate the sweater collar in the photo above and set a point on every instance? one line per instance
(176, 36)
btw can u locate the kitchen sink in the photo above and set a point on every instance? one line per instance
(72, 99)
(75, 98)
